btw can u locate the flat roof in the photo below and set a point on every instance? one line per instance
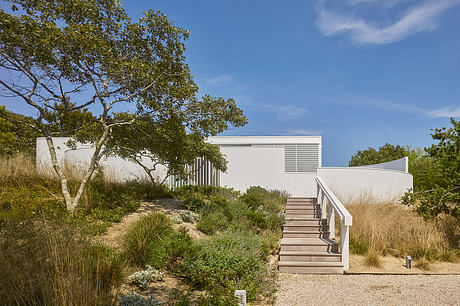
(264, 139)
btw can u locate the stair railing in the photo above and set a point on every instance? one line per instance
(329, 203)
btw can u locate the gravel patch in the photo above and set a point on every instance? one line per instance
(303, 289)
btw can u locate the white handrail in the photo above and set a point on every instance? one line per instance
(345, 218)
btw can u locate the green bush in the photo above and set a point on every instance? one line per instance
(193, 204)
(146, 240)
(213, 222)
(229, 262)
(180, 246)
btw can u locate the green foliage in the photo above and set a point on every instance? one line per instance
(188, 216)
(228, 262)
(444, 197)
(358, 246)
(16, 137)
(135, 299)
(180, 246)
(62, 51)
(52, 262)
(385, 153)
(213, 220)
(146, 241)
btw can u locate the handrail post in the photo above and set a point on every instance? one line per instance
(331, 221)
(325, 201)
(318, 194)
(344, 244)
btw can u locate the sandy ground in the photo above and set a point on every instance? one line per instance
(115, 233)
(398, 266)
(163, 289)
(303, 289)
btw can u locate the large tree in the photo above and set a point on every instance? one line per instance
(66, 56)
(385, 153)
(444, 196)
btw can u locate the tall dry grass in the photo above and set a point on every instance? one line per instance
(45, 262)
(391, 229)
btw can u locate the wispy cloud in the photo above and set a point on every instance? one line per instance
(368, 30)
(445, 112)
(302, 132)
(221, 79)
(442, 112)
(284, 110)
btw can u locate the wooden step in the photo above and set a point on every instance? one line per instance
(302, 206)
(301, 200)
(305, 221)
(302, 211)
(306, 256)
(309, 244)
(295, 226)
(305, 234)
(300, 217)
(311, 267)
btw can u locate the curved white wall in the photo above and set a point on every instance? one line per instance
(401, 164)
(358, 183)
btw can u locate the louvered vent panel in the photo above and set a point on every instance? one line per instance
(290, 160)
(307, 157)
(301, 158)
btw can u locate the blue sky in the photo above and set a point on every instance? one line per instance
(357, 72)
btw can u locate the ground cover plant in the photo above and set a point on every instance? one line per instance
(242, 231)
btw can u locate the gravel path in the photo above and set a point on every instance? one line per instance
(302, 289)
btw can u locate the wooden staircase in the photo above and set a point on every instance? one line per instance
(305, 246)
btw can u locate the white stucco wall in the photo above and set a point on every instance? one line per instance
(352, 184)
(114, 168)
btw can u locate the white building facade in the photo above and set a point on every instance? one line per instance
(288, 163)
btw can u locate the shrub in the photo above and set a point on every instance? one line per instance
(143, 278)
(50, 262)
(193, 204)
(188, 216)
(180, 246)
(372, 259)
(135, 299)
(422, 264)
(228, 262)
(146, 240)
(213, 221)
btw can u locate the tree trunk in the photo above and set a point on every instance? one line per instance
(72, 203)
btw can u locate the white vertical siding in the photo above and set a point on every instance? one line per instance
(356, 183)
(257, 166)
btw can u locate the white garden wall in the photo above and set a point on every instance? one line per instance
(352, 184)
(115, 168)
(401, 164)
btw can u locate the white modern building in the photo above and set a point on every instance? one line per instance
(289, 163)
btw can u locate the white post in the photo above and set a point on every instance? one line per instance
(324, 202)
(331, 221)
(344, 244)
(318, 195)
